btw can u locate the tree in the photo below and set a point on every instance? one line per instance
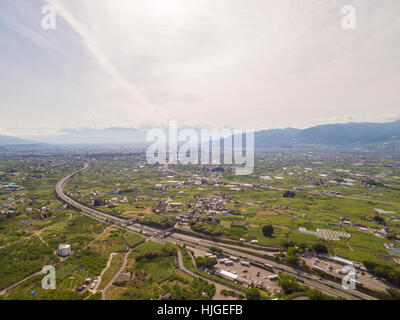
(208, 263)
(289, 284)
(216, 250)
(379, 220)
(289, 194)
(320, 248)
(291, 256)
(253, 294)
(268, 230)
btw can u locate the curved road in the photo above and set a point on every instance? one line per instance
(59, 189)
(332, 288)
(218, 286)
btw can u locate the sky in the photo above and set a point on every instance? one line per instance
(253, 64)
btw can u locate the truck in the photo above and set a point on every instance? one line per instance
(228, 263)
(268, 267)
(273, 277)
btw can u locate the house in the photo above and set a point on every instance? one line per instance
(64, 250)
(80, 288)
(166, 296)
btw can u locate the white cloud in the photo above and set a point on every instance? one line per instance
(256, 64)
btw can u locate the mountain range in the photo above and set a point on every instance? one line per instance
(362, 133)
(7, 141)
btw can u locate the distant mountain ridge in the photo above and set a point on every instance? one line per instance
(361, 133)
(330, 135)
(8, 140)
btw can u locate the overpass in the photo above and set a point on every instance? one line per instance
(171, 237)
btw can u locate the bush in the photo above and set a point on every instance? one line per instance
(320, 248)
(208, 229)
(253, 294)
(268, 230)
(289, 194)
(383, 270)
(216, 250)
(167, 251)
(289, 284)
(379, 220)
(291, 256)
(202, 262)
(389, 294)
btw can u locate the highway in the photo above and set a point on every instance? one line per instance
(59, 189)
(326, 286)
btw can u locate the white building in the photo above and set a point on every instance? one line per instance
(227, 275)
(64, 250)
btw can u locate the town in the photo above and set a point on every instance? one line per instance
(288, 231)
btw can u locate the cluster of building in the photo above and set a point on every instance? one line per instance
(212, 205)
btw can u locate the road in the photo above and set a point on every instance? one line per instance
(218, 286)
(59, 189)
(326, 286)
(116, 275)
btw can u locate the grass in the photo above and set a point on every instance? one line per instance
(115, 264)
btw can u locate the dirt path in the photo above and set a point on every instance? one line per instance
(4, 291)
(99, 236)
(40, 237)
(349, 245)
(124, 263)
(26, 238)
(99, 278)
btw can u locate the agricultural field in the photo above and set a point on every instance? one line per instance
(328, 193)
(288, 192)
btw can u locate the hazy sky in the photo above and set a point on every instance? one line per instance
(243, 64)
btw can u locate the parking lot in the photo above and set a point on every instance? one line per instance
(249, 274)
(365, 278)
(252, 274)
